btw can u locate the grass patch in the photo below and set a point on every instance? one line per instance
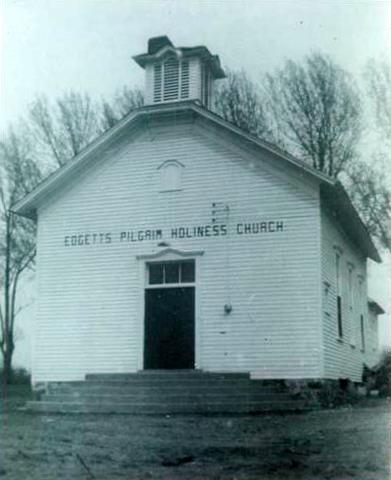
(20, 376)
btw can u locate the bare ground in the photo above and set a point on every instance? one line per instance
(330, 444)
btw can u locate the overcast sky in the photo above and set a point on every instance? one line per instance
(50, 46)
(53, 45)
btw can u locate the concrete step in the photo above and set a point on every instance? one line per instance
(166, 375)
(164, 408)
(166, 392)
(184, 397)
(145, 380)
(160, 389)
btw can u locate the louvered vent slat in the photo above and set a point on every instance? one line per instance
(185, 80)
(171, 80)
(157, 88)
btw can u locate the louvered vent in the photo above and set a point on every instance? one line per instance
(171, 80)
(157, 86)
(178, 74)
(185, 80)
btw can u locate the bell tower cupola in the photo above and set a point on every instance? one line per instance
(175, 74)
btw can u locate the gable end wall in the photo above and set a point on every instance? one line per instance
(90, 298)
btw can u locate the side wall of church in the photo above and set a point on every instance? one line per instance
(347, 349)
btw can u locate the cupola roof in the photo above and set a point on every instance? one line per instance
(158, 46)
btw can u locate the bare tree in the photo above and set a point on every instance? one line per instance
(239, 101)
(124, 101)
(370, 194)
(378, 78)
(63, 128)
(373, 182)
(55, 132)
(18, 174)
(313, 110)
(317, 109)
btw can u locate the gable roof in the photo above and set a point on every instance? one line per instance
(331, 190)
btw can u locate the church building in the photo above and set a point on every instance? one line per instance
(177, 241)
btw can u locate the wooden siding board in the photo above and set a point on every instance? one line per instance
(88, 314)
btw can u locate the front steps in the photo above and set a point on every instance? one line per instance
(166, 392)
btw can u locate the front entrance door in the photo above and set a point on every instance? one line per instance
(169, 328)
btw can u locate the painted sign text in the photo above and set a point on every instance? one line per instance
(180, 232)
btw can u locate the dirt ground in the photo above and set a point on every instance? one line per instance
(329, 444)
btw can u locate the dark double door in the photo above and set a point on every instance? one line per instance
(169, 328)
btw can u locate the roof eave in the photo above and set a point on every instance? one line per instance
(30, 213)
(27, 205)
(338, 201)
(30, 202)
(303, 166)
(373, 305)
(143, 59)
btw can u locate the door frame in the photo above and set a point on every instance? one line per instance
(166, 255)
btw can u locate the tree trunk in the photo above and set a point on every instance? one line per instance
(7, 365)
(8, 343)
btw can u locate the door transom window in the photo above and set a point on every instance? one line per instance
(171, 273)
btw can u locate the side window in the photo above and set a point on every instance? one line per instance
(352, 307)
(360, 309)
(326, 297)
(350, 287)
(339, 293)
(170, 176)
(362, 328)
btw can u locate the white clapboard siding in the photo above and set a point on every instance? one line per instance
(343, 358)
(90, 298)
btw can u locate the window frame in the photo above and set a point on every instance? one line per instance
(362, 333)
(351, 303)
(178, 182)
(338, 288)
(178, 284)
